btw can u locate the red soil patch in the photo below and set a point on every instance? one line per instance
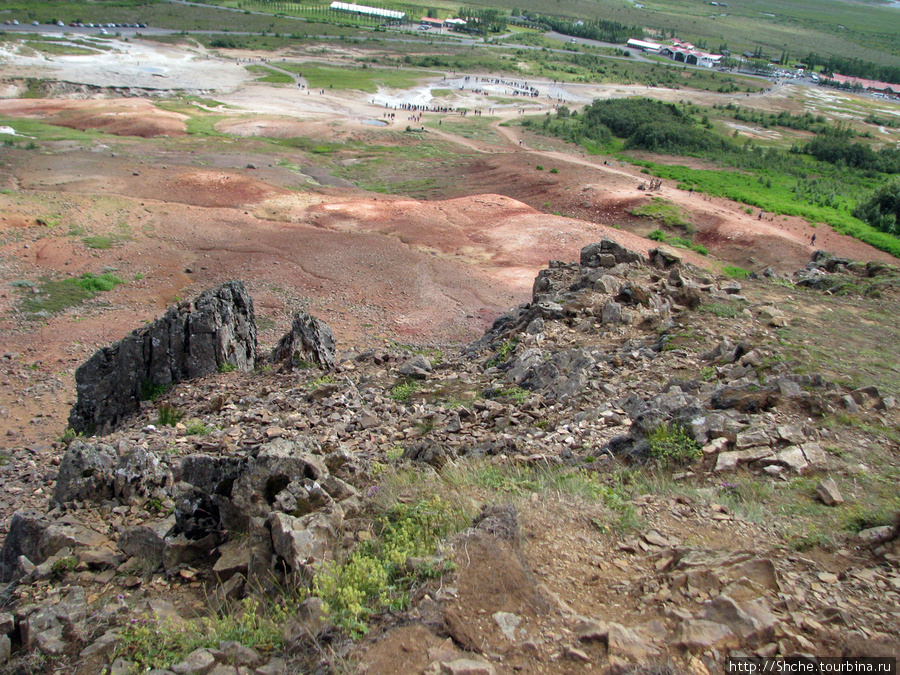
(122, 117)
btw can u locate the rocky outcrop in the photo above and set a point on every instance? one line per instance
(289, 477)
(309, 342)
(193, 339)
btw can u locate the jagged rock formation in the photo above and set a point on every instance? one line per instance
(193, 339)
(580, 378)
(309, 342)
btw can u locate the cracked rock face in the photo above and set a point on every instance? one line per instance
(194, 339)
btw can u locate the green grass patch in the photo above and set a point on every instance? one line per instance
(270, 75)
(403, 392)
(663, 211)
(734, 272)
(150, 643)
(358, 78)
(55, 296)
(103, 241)
(783, 195)
(198, 428)
(723, 310)
(168, 415)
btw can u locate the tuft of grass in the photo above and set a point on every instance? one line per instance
(403, 392)
(63, 566)
(168, 415)
(503, 352)
(734, 272)
(151, 643)
(151, 392)
(516, 394)
(98, 284)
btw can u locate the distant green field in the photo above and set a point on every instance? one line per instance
(867, 31)
(270, 75)
(361, 78)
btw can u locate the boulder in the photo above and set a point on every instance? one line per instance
(665, 257)
(308, 541)
(309, 342)
(279, 463)
(23, 539)
(85, 473)
(191, 340)
(139, 474)
(751, 621)
(607, 251)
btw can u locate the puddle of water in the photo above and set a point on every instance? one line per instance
(375, 123)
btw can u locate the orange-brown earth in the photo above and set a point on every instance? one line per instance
(180, 213)
(181, 218)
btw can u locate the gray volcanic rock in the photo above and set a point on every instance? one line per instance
(308, 341)
(193, 339)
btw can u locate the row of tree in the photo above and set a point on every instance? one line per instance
(853, 67)
(593, 29)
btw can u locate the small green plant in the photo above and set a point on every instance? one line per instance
(168, 415)
(96, 284)
(63, 566)
(70, 435)
(394, 453)
(151, 391)
(734, 272)
(516, 394)
(707, 373)
(227, 367)
(539, 167)
(672, 444)
(554, 170)
(322, 379)
(154, 505)
(403, 392)
(198, 428)
(657, 235)
(503, 352)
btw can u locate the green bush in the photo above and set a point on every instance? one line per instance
(198, 428)
(672, 444)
